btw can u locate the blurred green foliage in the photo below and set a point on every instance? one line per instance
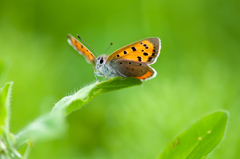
(198, 72)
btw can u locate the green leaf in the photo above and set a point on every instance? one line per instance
(73, 102)
(7, 139)
(44, 128)
(5, 94)
(198, 140)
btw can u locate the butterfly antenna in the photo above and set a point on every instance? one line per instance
(108, 47)
(87, 45)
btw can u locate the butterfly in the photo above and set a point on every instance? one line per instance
(132, 60)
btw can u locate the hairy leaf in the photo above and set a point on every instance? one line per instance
(86, 94)
(5, 95)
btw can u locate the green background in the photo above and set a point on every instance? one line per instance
(198, 72)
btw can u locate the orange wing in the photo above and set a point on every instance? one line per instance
(81, 49)
(146, 50)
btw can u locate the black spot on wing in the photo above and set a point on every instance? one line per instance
(133, 48)
(139, 58)
(145, 54)
(149, 59)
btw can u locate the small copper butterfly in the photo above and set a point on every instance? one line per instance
(130, 61)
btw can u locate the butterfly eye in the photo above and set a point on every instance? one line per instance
(101, 60)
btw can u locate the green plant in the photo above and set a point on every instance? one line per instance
(52, 125)
(196, 142)
(199, 139)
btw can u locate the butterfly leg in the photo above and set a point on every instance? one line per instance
(122, 75)
(97, 74)
(96, 77)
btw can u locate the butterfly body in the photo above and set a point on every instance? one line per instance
(130, 61)
(104, 69)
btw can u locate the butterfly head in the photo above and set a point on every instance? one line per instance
(101, 60)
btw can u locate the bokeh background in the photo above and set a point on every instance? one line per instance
(198, 72)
